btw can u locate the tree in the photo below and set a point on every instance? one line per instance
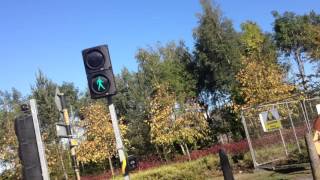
(159, 64)
(9, 109)
(44, 91)
(261, 78)
(190, 126)
(132, 104)
(71, 93)
(168, 127)
(168, 64)
(298, 36)
(216, 55)
(100, 143)
(161, 125)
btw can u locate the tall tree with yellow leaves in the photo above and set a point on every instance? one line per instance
(261, 78)
(167, 127)
(161, 123)
(9, 161)
(190, 127)
(100, 143)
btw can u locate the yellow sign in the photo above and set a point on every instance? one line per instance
(273, 125)
(73, 142)
(270, 120)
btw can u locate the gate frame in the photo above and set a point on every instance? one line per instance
(284, 102)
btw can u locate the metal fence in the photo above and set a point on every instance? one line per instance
(296, 118)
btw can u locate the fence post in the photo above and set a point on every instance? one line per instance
(249, 140)
(225, 166)
(293, 127)
(306, 112)
(305, 118)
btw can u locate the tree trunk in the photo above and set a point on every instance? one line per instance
(297, 55)
(111, 166)
(158, 152)
(182, 148)
(189, 157)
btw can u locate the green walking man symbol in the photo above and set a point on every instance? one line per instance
(100, 84)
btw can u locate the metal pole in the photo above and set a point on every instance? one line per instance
(293, 128)
(119, 144)
(309, 130)
(283, 142)
(72, 148)
(62, 163)
(41, 149)
(305, 110)
(255, 164)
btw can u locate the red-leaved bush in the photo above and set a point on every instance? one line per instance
(154, 161)
(234, 148)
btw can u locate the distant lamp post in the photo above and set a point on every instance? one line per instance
(176, 106)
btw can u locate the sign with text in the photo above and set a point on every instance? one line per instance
(270, 120)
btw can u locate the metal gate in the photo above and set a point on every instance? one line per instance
(296, 118)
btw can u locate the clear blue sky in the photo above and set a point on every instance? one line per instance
(49, 35)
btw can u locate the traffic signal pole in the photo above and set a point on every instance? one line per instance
(119, 143)
(72, 148)
(102, 84)
(41, 149)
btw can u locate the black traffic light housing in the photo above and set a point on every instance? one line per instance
(99, 72)
(28, 148)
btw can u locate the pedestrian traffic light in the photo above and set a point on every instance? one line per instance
(28, 148)
(99, 71)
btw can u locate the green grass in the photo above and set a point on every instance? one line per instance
(270, 175)
(208, 168)
(204, 168)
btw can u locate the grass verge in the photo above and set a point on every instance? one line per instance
(203, 168)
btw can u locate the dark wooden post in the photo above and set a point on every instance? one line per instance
(225, 166)
(313, 156)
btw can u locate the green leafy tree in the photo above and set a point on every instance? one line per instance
(71, 94)
(132, 104)
(216, 55)
(298, 36)
(168, 64)
(44, 91)
(159, 64)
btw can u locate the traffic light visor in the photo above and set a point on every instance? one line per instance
(94, 59)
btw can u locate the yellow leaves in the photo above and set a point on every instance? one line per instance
(261, 82)
(261, 79)
(9, 145)
(168, 127)
(252, 38)
(100, 140)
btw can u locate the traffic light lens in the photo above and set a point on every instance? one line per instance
(95, 59)
(100, 84)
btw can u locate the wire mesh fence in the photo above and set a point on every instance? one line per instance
(296, 118)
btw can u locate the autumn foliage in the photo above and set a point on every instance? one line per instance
(99, 143)
(169, 125)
